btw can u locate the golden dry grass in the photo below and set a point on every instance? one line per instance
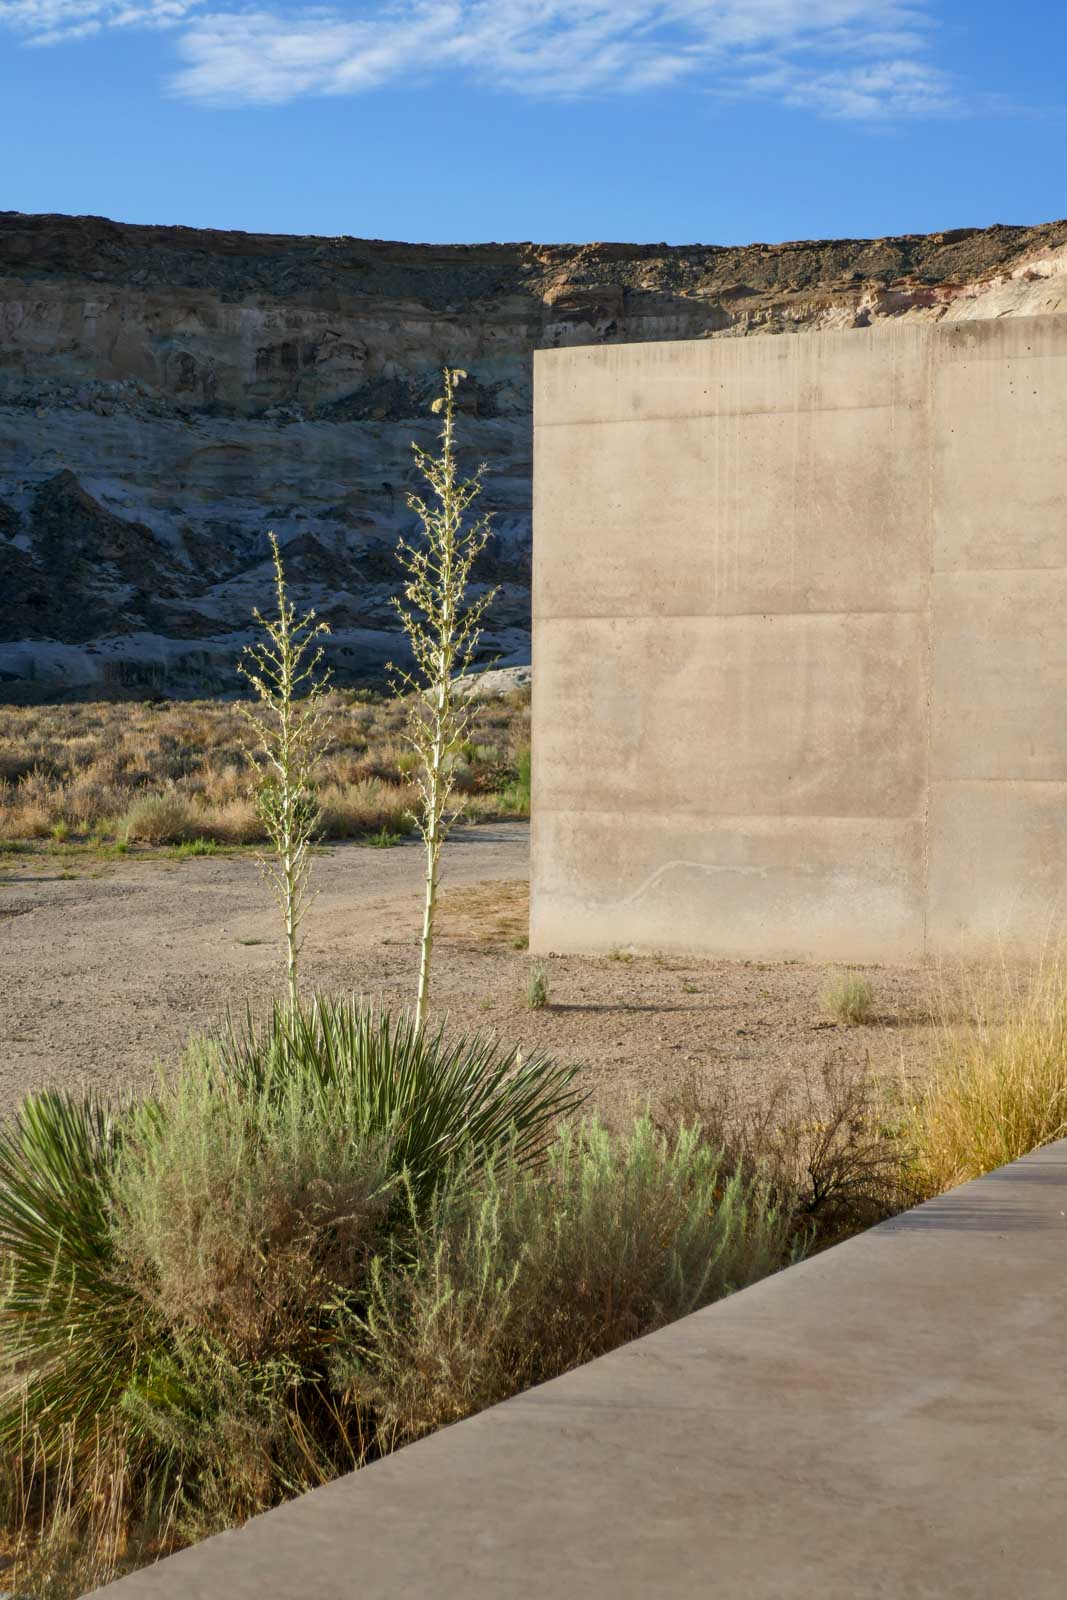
(161, 773)
(998, 1085)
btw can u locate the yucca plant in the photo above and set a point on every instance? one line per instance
(289, 731)
(443, 625)
(69, 1326)
(438, 1101)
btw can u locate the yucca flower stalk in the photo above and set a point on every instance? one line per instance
(443, 629)
(290, 728)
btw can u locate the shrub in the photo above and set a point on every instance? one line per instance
(998, 1088)
(234, 822)
(515, 796)
(237, 1215)
(829, 1148)
(165, 818)
(529, 1274)
(369, 806)
(849, 997)
(537, 987)
(318, 1241)
(17, 762)
(437, 1101)
(85, 765)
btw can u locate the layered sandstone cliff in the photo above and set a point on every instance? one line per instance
(168, 395)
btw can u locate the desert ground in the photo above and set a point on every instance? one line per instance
(108, 964)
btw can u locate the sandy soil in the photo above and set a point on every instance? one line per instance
(105, 968)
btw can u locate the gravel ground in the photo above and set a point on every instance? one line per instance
(106, 966)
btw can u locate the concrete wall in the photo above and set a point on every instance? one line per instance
(800, 643)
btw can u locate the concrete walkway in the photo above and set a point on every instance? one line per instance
(886, 1420)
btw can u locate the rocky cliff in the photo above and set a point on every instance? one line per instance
(168, 395)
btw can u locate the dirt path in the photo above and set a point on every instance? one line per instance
(105, 968)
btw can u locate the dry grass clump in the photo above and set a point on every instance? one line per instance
(165, 818)
(369, 806)
(98, 772)
(849, 997)
(847, 1150)
(998, 1087)
(66, 1519)
(234, 821)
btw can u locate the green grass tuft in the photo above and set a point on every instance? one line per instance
(384, 839)
(537, 987)
(195, 847)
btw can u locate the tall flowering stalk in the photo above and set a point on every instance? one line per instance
(443, 629)
(290, 728)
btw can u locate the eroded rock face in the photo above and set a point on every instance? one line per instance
(167, 395)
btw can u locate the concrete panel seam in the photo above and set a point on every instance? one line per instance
(1004, 572)
(717, 413)
(718, 616)
(1000, 783)
(928, 651)
(901, 819)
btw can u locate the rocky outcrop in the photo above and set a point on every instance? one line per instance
(168, 395)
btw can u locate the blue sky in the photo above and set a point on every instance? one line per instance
(712, 121)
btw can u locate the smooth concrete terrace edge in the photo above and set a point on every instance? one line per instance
(886, 1421)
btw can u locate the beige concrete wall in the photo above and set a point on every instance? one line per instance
(800, 643)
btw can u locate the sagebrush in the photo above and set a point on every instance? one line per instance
(532, 1273)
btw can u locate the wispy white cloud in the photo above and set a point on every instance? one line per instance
(850, 58)
(876, 90)
(50, 21)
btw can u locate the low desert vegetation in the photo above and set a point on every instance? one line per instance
(151, 774)
(317, 1241)
(532, 1272)
(537, 987)
(998, 1087)
(849, 997)
(830, 1151)
(335, 1231)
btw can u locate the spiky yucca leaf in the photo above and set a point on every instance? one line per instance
(68, 1325)
(437, 1101)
